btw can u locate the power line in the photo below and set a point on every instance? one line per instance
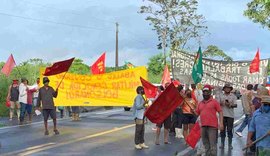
(53, 22)
(72, 11)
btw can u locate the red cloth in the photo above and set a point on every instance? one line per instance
(176, 83)
(30, 96)
(9, 65)
(99, 66)
(194, 135)
(149, 89)
(166, 76)
(255, 64)
(207, 111)
(164, 105)
(58, 67)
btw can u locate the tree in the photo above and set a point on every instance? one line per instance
(214, 52)
(78, 67)
(259, 12)
(155, 68)
(175, 21)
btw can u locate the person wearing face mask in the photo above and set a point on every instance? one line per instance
(207, 110)
(260, 123)
(138, 112)
(228, 102)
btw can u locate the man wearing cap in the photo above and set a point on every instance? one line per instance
(228, 102)
(260, 123)
(45, 97)
(207, 110)
(13, 97)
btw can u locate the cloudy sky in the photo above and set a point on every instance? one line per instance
(57, 30)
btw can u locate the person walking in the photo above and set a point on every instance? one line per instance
(260, 123)
(13, 97)
(45, 97)
(138, 112)
(246, 100)
(228, 102)
(207, 110)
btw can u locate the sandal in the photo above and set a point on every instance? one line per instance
(56, 132)
(168, 143)
(46, 133)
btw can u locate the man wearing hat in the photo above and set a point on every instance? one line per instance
(207, 110)
(45, 97)
(260, 123)
(228, 102)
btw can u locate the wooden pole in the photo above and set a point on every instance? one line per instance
(61, 80)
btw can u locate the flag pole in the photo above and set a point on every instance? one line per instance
(61, 80)
(192, 67)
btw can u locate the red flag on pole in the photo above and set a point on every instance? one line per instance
(9, 65)
(255, 64)
(99, 66)
(164, 105)
(58, 67)
(166, 76)
(149, 89)
(194, 135)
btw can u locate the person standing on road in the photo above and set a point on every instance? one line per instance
(23, 98)
(13, 97)
(167, 125)
(207, 110)
(260, 123)
(35, 95)
(45, 97)
(138, 112)
(29, 101)
(228, 102)
(189, 117)
(246, 100)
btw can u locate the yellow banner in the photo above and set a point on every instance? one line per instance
(111, 89)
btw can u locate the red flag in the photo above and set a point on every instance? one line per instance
(149, 89)
(9, 65)
(164, 105)
(99, 66)
(166, 76)
(255, 64)
(194, 135)
(58, 67)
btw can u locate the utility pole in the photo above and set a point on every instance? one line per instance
(116, 47)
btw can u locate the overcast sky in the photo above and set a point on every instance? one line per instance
(86, 28)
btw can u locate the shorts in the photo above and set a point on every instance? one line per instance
(189, 119)
(13, 103)
(167, 123)
(49, 112)
(28, 108)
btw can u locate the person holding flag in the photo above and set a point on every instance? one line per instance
(45, 97)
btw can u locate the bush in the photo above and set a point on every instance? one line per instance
(4, 83)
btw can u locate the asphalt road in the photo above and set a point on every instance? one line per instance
(102, 133)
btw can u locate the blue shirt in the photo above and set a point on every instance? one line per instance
(261, 124)
(138, 107)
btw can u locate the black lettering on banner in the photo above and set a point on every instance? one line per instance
(217, 73)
